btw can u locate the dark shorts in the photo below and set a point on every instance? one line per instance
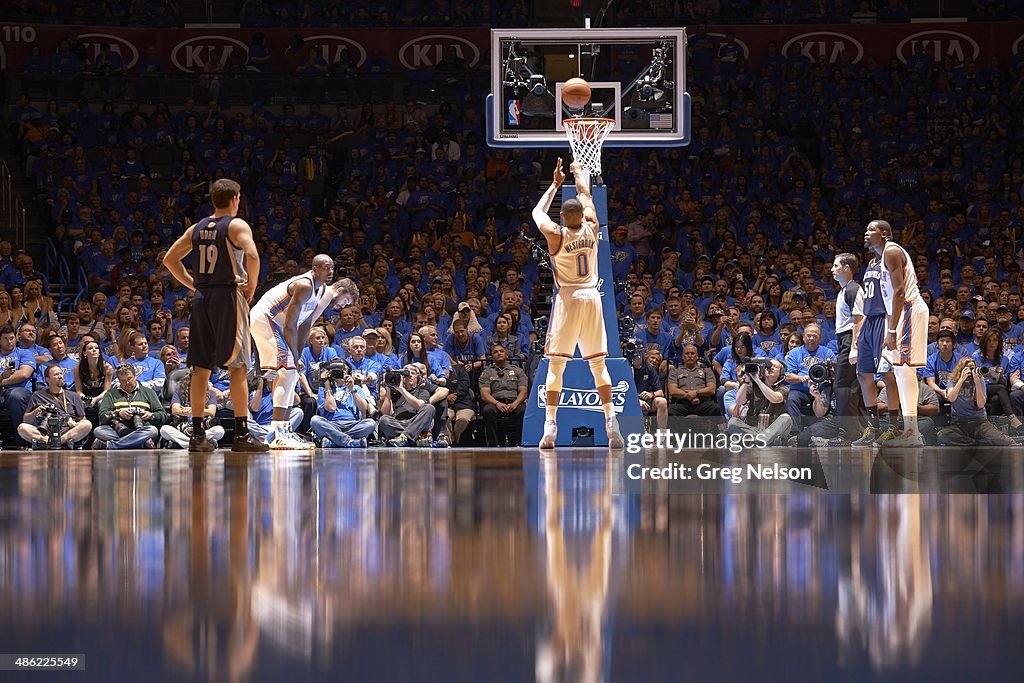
(219, 329)
(869, 345)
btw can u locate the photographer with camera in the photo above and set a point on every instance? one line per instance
(648, 385)
(342, 407)
(798, 364)
(758, 406)
(995, 369)
(691, 387)
(55, 417)
(969, 424)
(407, 405)
(180, 431)
(130, 414)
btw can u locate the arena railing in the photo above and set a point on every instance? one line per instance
(12, 209)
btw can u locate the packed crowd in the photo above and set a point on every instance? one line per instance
(789, 161)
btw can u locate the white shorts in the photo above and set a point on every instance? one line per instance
(271, 349)
(911, 337)
(577, 319)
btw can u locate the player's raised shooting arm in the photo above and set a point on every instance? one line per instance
(582, 178)
(540, 212)
(181, 248)
(240, 235)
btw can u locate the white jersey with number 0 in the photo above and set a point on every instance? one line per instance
(275, 301)
(575, 262)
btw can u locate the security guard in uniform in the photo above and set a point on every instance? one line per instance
(691, 387)
(503, 394)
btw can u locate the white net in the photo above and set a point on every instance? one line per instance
(586, 136)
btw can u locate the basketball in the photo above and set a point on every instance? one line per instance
(576, 93)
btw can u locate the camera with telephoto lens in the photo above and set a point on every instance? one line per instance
(335, 372)
(631, 347)
(52, 424)
(986, 371)
(822, 373)
(755, 366)
(123, 427)
(393, 378)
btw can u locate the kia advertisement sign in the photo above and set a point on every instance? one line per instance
(331, 48)
(826, 47)
(421, 49)
(194, 54)
(938, 45)
(125, 48)
(425, 52)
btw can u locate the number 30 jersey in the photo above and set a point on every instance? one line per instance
(575, 261)
(215, 260)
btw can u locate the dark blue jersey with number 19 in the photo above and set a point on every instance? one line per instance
(874, 304)
(216, 262)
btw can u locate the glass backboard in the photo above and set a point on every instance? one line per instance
(637, 77)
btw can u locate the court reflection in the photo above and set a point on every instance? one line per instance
(490, 566)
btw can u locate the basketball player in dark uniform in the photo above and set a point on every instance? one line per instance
(868, 340)
(225, 256)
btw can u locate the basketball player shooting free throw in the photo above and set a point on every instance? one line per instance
(577, 317)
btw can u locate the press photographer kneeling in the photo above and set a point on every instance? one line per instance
(55, 417)
(758, 406)
(342, 407)
(969, 424)
(821, 385)
(407, 405)
(130, 414)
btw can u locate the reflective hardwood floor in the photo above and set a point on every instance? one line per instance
(498, 565)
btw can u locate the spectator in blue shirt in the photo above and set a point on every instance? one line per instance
(15, 376)
(58, 356)
(148, 370)
(798, 361)
(315, 354)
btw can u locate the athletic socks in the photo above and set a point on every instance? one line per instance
(873, 417)
(241, 426)
(895, 419)
(550, 412)
(609, 410)
(197, 426)
(910, 423)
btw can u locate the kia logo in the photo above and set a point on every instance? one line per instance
(746, 50)
(195, 53)
(426, 51)
(1014, 50)
(93, 41)
(939, 44)
(827, 47)
(330, 48)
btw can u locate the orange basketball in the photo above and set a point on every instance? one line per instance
(576, 93)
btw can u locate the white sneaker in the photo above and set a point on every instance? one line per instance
(289, 441)
(547, 441)
(615, 441)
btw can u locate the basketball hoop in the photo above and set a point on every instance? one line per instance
(586, 135)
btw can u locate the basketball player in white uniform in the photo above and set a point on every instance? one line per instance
(906, 334)
(577, 316)
(280, 323)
